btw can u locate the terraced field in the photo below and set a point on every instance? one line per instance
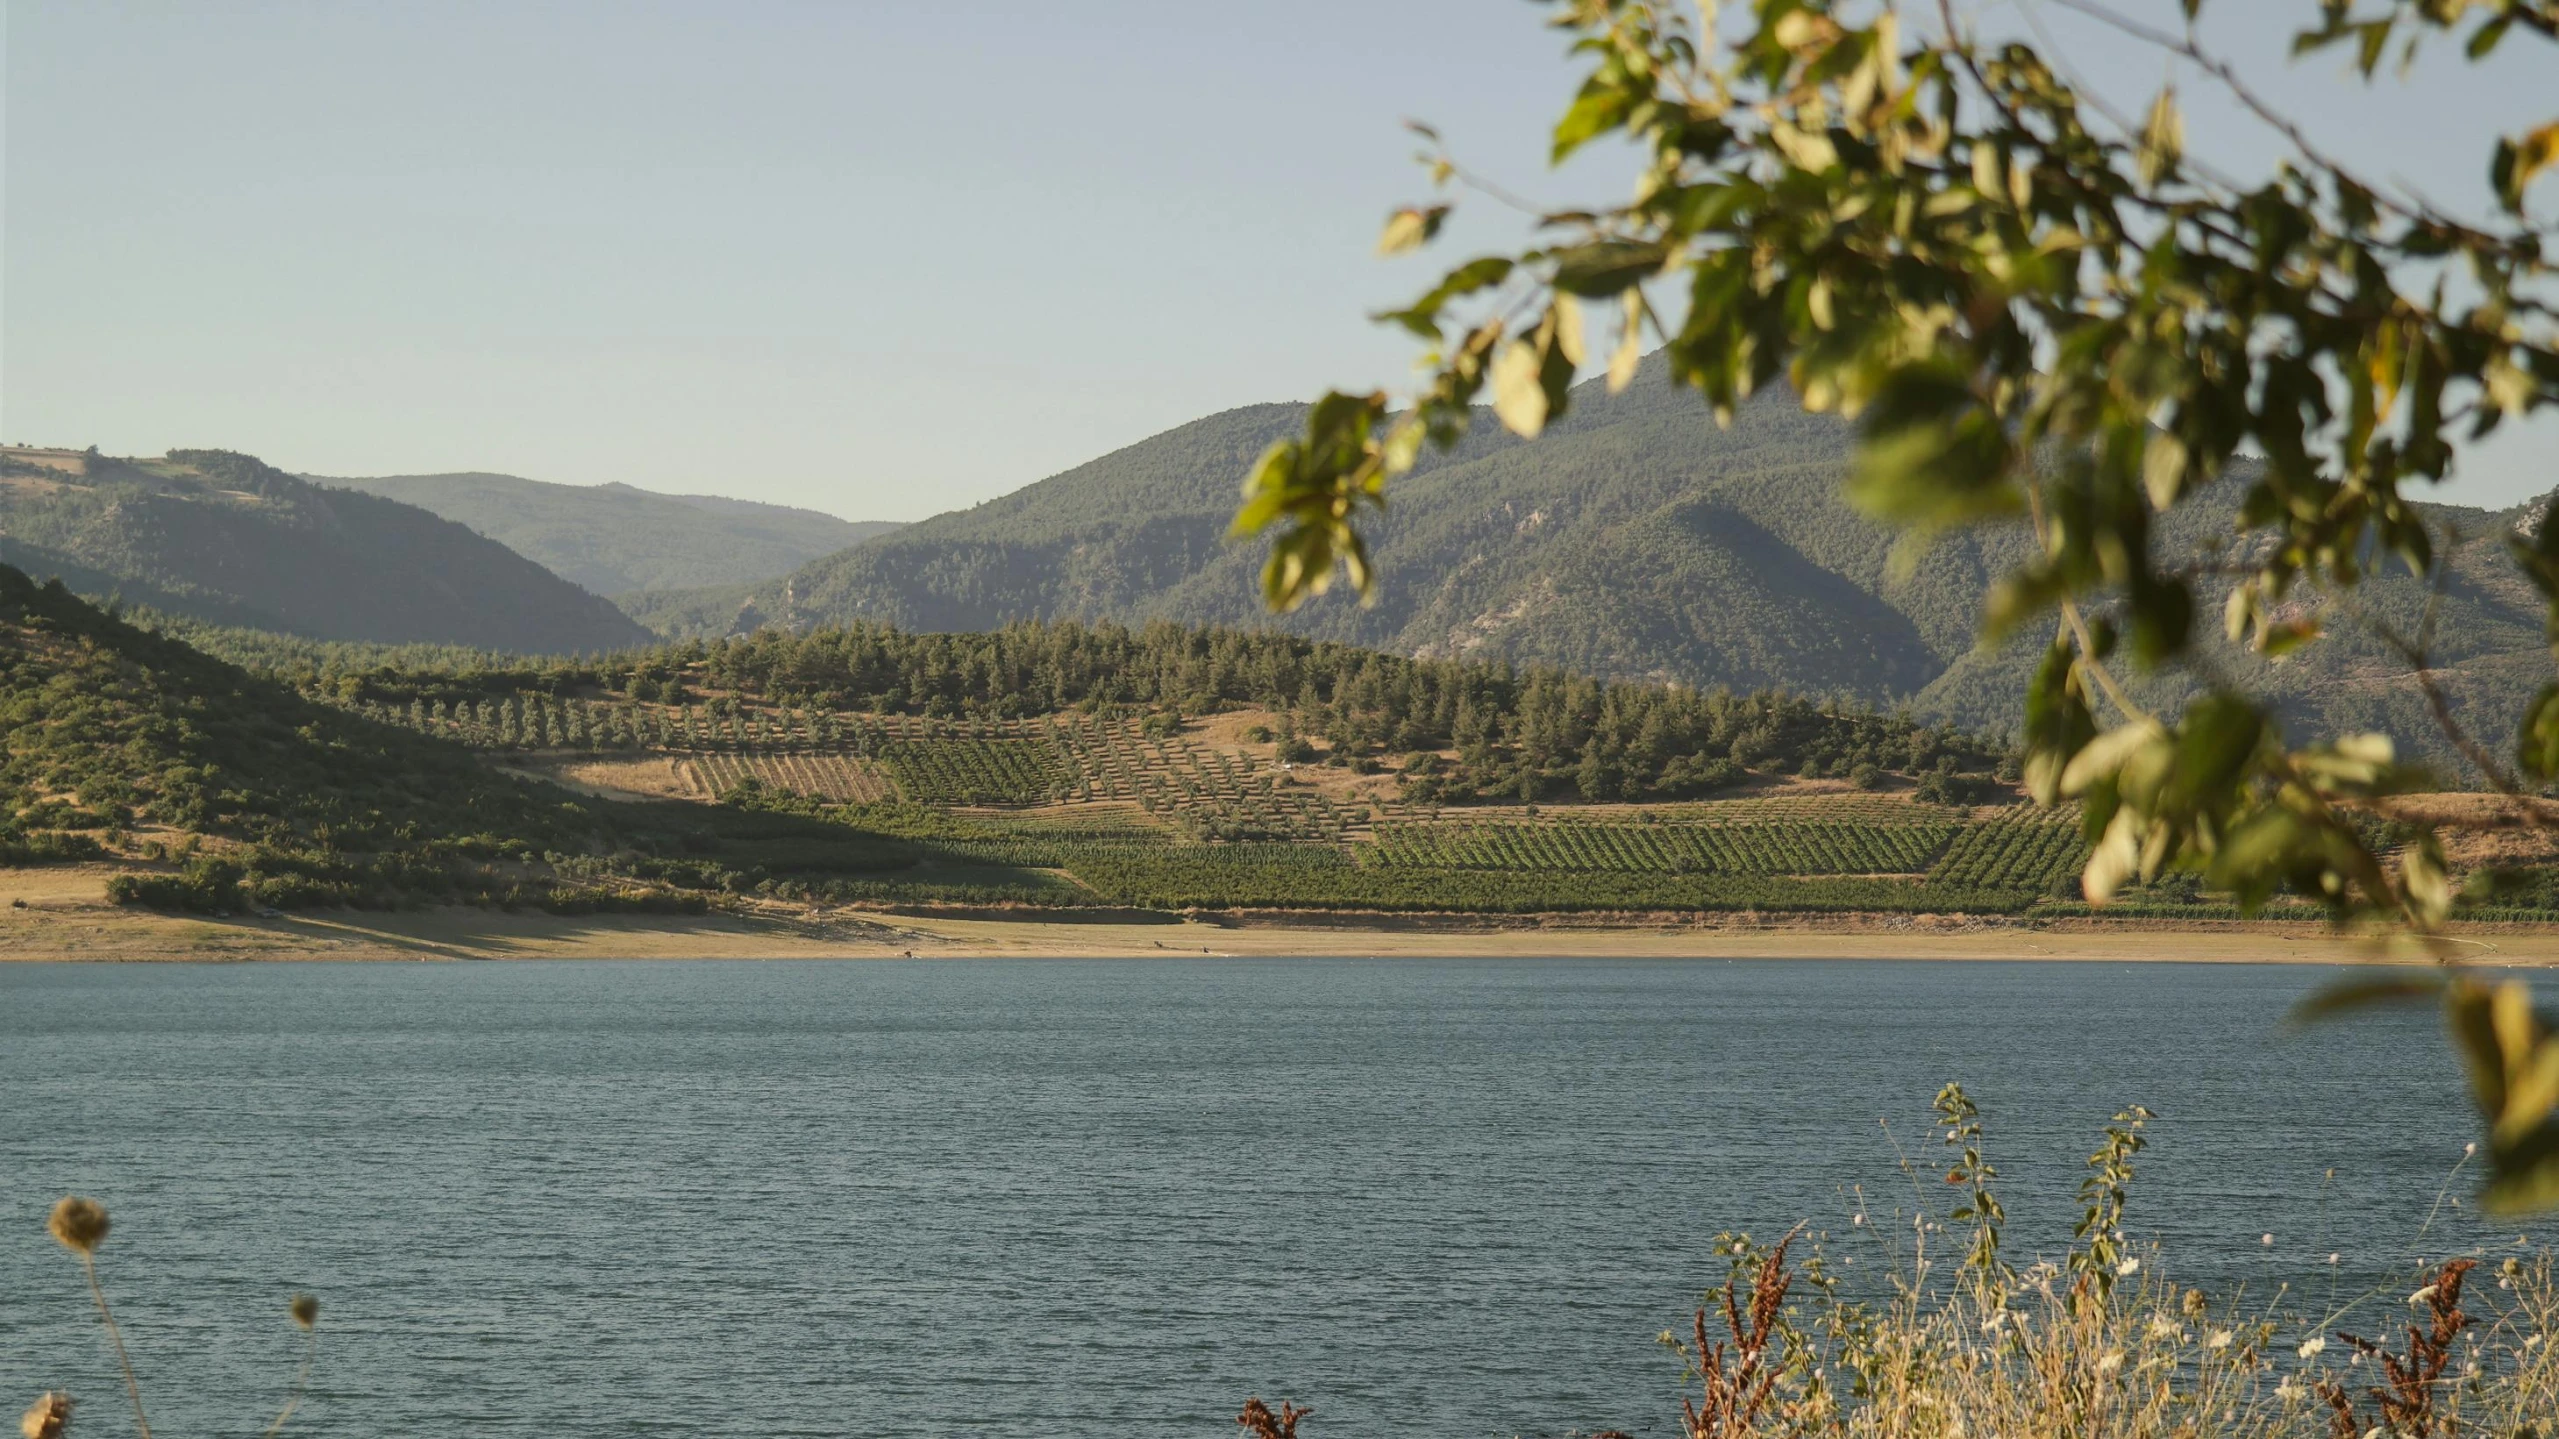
(2033, 850)
(1222, 796)
(1080, 808)
(1780, 847)
(845, 779)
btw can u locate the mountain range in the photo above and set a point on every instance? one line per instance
(227, 538)
(613, 539)
(1634, 540)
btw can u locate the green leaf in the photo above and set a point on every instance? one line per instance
(2163, 469)
(2058, 722)
(1630, 344)
(1932, 457)
(2518, 161)
(1519, 390)
(2471, 1008)
(2354, 995)
(2538, 746)
(1410, 229)
(2525, 1178)
(2163, 138)
(1605, 101)
(1422, 316)
(2285, 636)
(1604, 267)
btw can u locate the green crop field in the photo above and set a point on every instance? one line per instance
(1782, 847)
(1110, 810)
(1183, 769)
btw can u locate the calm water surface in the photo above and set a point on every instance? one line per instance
(1426, 1197)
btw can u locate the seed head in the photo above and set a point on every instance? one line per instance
(81, 1224)
(306, 1310)
(48, 1418)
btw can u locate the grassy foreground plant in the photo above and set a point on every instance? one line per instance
(2099, 1343)
(80, 1225)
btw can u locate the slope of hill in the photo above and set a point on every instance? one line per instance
(1635, 540)
(215, 788)
(1043, 768)
(614, 539)
(114, 730)
(230, 539)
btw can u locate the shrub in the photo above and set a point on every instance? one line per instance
(209, 885)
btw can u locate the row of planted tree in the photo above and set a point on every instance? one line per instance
(533, 721)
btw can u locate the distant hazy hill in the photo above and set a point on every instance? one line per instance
(229, 539)
(614, 539)
(1635, 540)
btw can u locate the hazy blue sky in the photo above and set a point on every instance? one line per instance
(879, 259)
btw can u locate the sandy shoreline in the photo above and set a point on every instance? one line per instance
(62, 915)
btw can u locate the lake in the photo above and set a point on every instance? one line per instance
(1426, 1197)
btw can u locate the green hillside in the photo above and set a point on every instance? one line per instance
(1041, 767)
(122, 739)
(214, 788)
(234, 541)
(616, 540)
(1635, 540)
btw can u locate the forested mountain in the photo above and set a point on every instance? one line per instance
(615, 540)
(1635, 540)
(232, 540)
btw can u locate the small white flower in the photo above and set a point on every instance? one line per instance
(2310, 1347)
(2219, 1339)
(2289, 1391)
(1857, 1219)
(2332, 1258)
(2470, 1149)
(2128, 1266)
(2266, 1239)
(2163, 1327)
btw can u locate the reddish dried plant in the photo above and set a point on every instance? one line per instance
(1259, 1422)
(1736, 1375)
(2407, 1402)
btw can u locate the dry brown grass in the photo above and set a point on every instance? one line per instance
(2100, 1345)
